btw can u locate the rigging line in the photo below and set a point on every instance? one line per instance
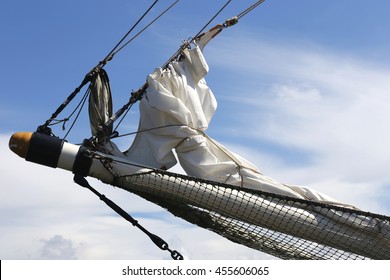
(147, 26)
(243, 13)
(110, 54)
(74, 110)
(123, 117)
(160, 127)
(208, 23)
(81, 105)
(177, 53)
(151, 129)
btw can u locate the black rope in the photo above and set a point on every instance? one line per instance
(153, 128)
(79, 107)
(143, 29)
(123, 117)
(246, 11)
(109, 55)
(158, 241)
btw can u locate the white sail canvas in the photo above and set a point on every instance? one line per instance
(174, 115)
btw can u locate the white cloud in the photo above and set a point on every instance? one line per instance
(58, 248)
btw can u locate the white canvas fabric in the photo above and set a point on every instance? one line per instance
(175, 113)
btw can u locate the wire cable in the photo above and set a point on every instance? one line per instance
(246, 11)
(143, 29)
(109, 55)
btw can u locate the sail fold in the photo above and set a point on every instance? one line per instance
(174, 115)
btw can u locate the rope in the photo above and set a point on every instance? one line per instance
(123, 117)
(143, 29)
(243, 13)
(81, 105)
(110, 54)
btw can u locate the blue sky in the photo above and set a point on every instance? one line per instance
(302, 89)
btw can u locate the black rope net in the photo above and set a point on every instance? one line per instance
(285, 227)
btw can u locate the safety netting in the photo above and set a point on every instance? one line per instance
(285, 227)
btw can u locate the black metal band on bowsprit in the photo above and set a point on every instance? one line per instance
(44, 149)
(82, 163)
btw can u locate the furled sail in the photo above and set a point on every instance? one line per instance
(224, 192)
(175, 113)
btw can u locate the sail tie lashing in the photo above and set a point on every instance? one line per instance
(158, 241)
